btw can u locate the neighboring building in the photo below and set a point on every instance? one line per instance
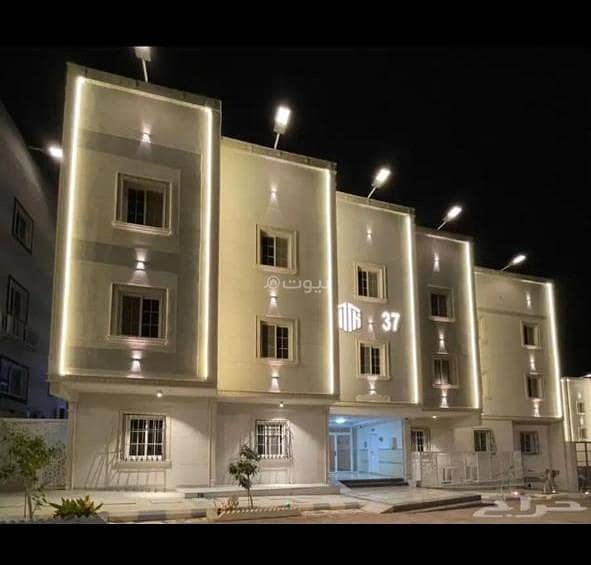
(27, 241)
(211, 292)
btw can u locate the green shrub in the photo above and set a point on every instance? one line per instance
(75, 508)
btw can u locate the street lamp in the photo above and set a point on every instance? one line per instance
(144, 54)
(520, 258)
(53, 150)
(452, 214)
(379, 180)
(281, 120)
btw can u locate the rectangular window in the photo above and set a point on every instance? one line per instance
(144, 438)
(272, 439)
(17, 308)
(535, 386)
(483, 440)
(22, 226)
(530, 443)
(373, 359)
(14, 379)
(583, 433)
(143, 202)
(530, 334)
(580, 407)
(419, 439)
(276, 249)
(276, 340)
(443, 372)
(370, 281)
(138, 311)
(441, 304)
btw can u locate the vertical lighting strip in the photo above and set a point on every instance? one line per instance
(566, 421)
(329, 254)
(206, 286)
(413, 330)
(551, 308)
(69, 221)
(472, 324)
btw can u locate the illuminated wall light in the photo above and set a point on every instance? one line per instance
(159, 394)
(579, 396)
(273, 191)
(442, 347)
(70, 206)
(471, 317)
(528, 300)
(435, 262)
(275, 383)
(553, 334)
(532, 362)
(140, 266)
(146, 137)
(371, 382)
(368, 234)
(331, 303)
(281, 405)
(536, 406)
(443, 403)
(412, 326)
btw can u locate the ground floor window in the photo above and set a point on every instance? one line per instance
(419, 439)
(272, 438)
(14, 379)
(144, 438)
(484, 440)
(530, 443)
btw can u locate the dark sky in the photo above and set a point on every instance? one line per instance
(502, 131)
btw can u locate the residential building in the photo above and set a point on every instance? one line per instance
(211, 292)
(27, 216)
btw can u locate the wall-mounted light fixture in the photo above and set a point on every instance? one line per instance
(159, 394)
(146, 137)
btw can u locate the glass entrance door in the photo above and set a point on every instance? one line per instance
(340, 451)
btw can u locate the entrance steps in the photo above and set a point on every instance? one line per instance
(364, 483)
(259, 490)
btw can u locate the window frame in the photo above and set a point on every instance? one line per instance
(293, 340)
(384, 347)
(536, 442)
(18, 207)
(541, 387)
(118, 290)
(454, 380)
(292, 249)
(537, 332)
(24, 398)
(489, 440)
(285, 435)
(382, 281)
(124, 459)
(449, 295)
(578, 404)
(166, 188)
(426, 442)
(13, 282)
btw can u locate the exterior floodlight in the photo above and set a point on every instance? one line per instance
(452, 214)
(145, 55)
(281, 121)
(380, 179)
(520, 258)
(159, 394)
(56, 152)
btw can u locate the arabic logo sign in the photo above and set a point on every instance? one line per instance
(502, 510)
(349, 317)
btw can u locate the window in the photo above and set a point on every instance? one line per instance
(530, 334)
(272, 438)
(370, 282)
(530, 443)
(441, 306)
(144, 438)
(276, 340)
(143, 202)
(17, 302)
(580, 407)
(583, 433)
(484, 440)
(139, 311)
(276, 249)
(443, 372)
(22, 226)
(14, 379)
(373, 359)
(419, 439)
(535, 386)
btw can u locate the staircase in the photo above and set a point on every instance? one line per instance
(364, 483)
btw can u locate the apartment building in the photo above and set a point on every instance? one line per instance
(27, 215)
(211, 292)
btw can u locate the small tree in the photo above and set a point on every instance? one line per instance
(25, 456)
(245, 468)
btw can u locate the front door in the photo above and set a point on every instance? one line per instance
(340, 451)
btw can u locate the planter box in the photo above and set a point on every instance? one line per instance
(100, 518)
(251, 513)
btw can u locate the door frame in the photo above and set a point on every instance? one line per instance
(333, 438)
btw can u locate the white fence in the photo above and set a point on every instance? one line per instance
(443, 468)
(53, 432)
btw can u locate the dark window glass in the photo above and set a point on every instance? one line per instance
(130, 315)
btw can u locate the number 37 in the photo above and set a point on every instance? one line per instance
(390, 321)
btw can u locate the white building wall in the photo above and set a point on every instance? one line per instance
(576, 391)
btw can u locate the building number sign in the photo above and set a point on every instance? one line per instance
(350, 319)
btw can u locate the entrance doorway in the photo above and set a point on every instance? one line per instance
(341, 454)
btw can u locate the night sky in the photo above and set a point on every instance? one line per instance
(502, 132)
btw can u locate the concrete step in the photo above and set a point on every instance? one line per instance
(472, 499)
(364, 483)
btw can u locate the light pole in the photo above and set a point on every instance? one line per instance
(452, 214)
(519, 258)
(281, 120)
(379, 180)
(144, 54)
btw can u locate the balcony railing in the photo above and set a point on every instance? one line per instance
(14, 328)
(456, 468)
